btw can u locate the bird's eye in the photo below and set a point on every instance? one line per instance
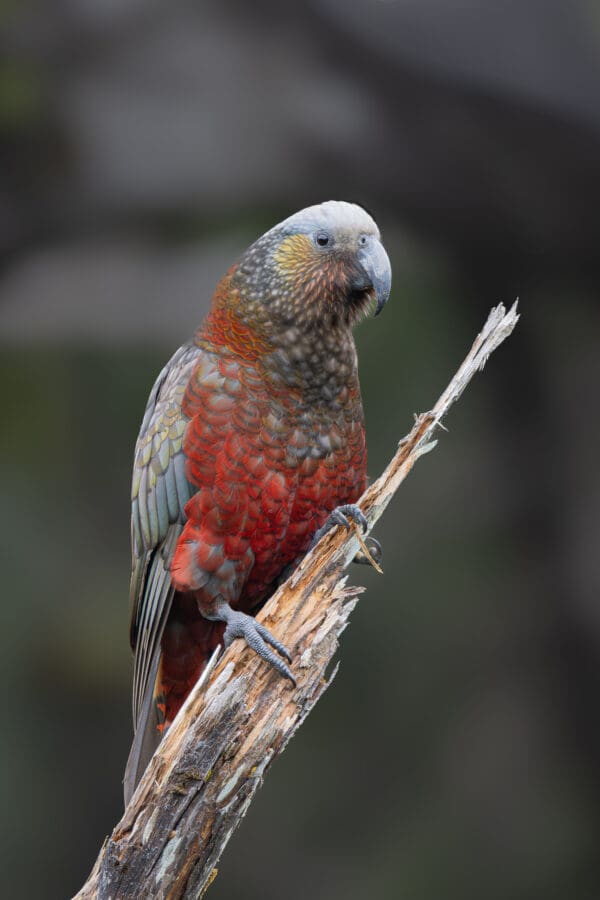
(322, 238)
(363, 239)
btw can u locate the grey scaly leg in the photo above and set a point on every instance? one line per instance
(241, 625)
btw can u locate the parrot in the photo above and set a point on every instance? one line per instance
(252, 445)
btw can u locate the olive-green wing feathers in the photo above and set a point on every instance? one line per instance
(159, 493)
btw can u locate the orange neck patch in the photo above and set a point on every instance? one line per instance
(223, 328)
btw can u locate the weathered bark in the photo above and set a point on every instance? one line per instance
(241, 714)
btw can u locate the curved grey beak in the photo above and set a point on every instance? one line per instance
(376, 264)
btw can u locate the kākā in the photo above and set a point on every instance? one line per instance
(252, 437)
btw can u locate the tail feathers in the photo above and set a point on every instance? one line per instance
(146, 738)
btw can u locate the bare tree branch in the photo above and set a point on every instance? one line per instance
(241, 714)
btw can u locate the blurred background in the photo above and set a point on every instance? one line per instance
(143, 146)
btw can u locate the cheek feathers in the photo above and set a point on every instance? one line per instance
(295, 255)
(313, 273)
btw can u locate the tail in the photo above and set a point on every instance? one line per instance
(147, 735)
(179, 659)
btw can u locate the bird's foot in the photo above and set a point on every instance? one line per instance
(374, 548)
(342, 515)
(259, 638)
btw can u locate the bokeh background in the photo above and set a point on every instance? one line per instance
(143, 145)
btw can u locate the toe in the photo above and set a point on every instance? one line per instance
(374, 548)
(258, 639)
(264, 651)
(339, 518)
(359, 517)
(268, 637)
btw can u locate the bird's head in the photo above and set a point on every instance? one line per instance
(324, 264)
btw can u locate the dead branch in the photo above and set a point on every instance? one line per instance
(241, 714)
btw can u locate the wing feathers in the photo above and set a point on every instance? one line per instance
(143, 508)
(173, 507)
(158, 595)
(184, 489)
(160, 491)
(162, 507)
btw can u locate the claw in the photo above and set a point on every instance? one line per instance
(375, 550)
(241, 625)
(340, 516)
